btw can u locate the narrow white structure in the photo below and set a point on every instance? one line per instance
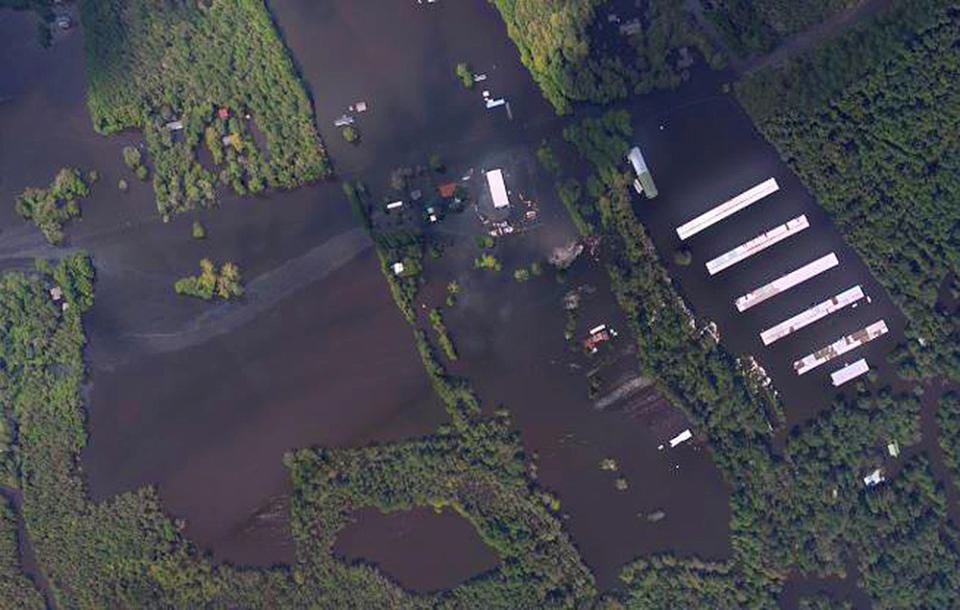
(757, 244)
(681, 438)
(395, 205)
(727, 208)
(811, 315)
(849, 372)
(644, 181)
(839, 347)
(786, 282)
(893, 448)
(498, 190)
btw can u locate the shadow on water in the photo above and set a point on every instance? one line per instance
(424, 550)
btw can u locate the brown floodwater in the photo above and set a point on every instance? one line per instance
(203, 399)
(422, 549)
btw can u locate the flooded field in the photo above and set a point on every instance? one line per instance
(203, 400)
(421, 549)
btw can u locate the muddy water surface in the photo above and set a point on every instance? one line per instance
(436, 540)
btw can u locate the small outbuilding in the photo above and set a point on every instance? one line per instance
(874, 478)
(397, 268)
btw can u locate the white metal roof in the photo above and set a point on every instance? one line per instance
(813, 314)
(757, 244)
(786, 282)
(682, 437)
(725, 209)
(498, 190)
(851, 371)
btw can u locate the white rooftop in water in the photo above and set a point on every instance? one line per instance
(498, 190)
(840, 346)
(757, 244)
(849, 372)
(811, 315)
(597, 329)
(398, 268)
(874, 478)
(681, 438)
(394, 205)
(893, 448)
(727, 208)
(786, 282)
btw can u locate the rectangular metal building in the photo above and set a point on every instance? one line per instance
(498, 190)
(849, 372)
(727, 208)
(839, 347)
(644, 177)
(811, 315)
(786, 282)
(757, 244)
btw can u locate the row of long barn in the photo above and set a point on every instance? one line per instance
(849, 297)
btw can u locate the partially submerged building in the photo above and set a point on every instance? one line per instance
(498, 189)
(757, 244)
(840, 346)
(643, 183)
(681, 438)
(727, 208)
(786, 282)
(597, 336)
(849, 372)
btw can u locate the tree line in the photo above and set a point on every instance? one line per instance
(869, 124)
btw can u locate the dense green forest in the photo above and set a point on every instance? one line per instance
(948, 419)
(16, 589)
(871, 124)
(52, 207)
(804, 508)
(576, 55)
(756, 27)
(207, 65)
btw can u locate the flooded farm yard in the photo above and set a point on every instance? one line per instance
(203, 400)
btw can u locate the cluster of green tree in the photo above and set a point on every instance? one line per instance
(53, 206)
(16, 588)
(803, 509)
(756, 27)
(149, 65)
(869, 125)
(133, 158)
(465, 75)
(487, 261)
(226, 284)
(480, 473)
(443, 335)
(569, 191)
(948, 420)
(574, 57)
